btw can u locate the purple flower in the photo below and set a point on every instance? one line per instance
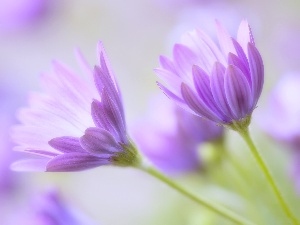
(281, 119)
(170, 137)
(77, 124)
(220, 84)
(16, 14)
(50, 209)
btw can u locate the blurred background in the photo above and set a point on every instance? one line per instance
(134, 33)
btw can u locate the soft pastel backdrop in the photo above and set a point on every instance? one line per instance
(134, 33)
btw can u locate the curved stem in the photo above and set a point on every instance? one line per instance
(246, 136)
(220, 210)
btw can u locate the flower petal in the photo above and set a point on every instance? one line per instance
(184, 59)
(103, 79)
(244, 35)
(218, 89)
(257, 72)
(236, 61)
(114, 116)
(169, 78)
(66, 144)
(202, 85)
(30, 165)
(75, 162)
(197, 104)
(167, 64)
(224, 40)
(178, 100)
(237, 92)
(98, 141)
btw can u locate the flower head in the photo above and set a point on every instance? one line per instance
(281, 119)
(77, 124)
(18, 14)
(222, 84)
(170, 137)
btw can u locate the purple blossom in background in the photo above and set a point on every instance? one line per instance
(220, 84)
(18, 13)
(169, 136)
(77, 124)
(50, 209)
(282, 118)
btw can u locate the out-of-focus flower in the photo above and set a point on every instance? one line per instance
(68, 129)
(220, 84)
(50, 209)
(17, 13)
(282, 118)
(169, 136)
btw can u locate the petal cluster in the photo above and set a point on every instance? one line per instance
(77, 123)
(220, 83)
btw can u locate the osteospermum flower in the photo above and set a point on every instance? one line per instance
(77, 124)
(222, 84)
(170, 137)
(281, 120)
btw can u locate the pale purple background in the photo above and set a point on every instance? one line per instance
(134, 33)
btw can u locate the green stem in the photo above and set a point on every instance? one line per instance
(246, 136)
(203, 202)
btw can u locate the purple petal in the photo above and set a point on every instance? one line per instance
(167, 64)
(104, 62)
(66, 144)
(211, 45)
(244, 35)
(257, 72)
(41, 152)
(241, 53)
(184, 58)
(218, 89)
(206, 51)
(171, 79)
(103, 80)
(97, 114)
(114, 116)
(84, 65)
(237, 92)
(101, 119)
(202, 85)
(236, 61)
(98, 141)
(75, 162)
(197, 104)
(33, 165)
(224, 40)
(178, 100)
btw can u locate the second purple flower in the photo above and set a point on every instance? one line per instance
(222, 84)
(77, 124)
